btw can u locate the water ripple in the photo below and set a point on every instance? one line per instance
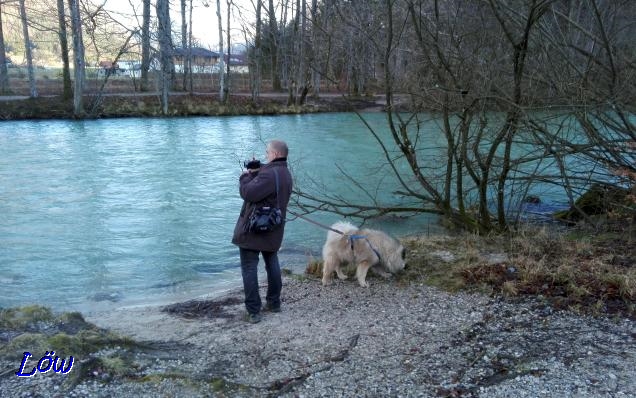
(142, 210)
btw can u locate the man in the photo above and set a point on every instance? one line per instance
(258, 188)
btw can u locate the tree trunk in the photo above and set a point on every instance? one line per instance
(145, 46)
(285, 48)
(78, 60)
(315, 74)
(67, 92)
(229, 53)
(301, 94)
(4, 73)
(184, 45)
(255, 59)
(190, 51)
(165, 49)
(33, 91)
(273, 37)
(221, 53)
(292, 60)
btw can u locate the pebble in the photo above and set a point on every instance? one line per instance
(385, 340)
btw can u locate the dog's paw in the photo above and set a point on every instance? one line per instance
(363, 283)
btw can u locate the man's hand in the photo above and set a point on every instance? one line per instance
(253, 164)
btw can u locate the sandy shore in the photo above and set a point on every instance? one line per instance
(387, 340)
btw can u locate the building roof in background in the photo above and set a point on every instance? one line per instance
(236, 59)
(196, 52)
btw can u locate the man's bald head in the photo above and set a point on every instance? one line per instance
(277, 149)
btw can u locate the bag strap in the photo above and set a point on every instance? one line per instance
(276, 174)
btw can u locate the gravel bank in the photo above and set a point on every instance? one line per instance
(343, 340)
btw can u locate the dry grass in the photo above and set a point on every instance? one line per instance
(592, 273)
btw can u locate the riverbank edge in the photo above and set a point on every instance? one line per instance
(180, 105)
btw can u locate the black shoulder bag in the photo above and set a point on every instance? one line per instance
(265, 219)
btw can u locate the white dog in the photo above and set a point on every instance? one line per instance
(366, 248)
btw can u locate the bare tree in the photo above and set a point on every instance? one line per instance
(303, 83)
(33, 91)
(547, 106)
(78, 58)
(184, 44)
(166, 50)
(229, 53)
(98, 98)
(592, 42)
(4, 73)
(67, 92)
(273, 47)
(189, 57)
(313, 60)
(291, 48)
(256, 54)
(145, 45)
(323, 36)
(221, 53)
(347, 37)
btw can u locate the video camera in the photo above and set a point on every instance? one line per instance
(252, 164)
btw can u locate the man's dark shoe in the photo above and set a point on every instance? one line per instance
(270, 308)
(252, 318)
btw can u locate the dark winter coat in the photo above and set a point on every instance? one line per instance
(259, 189)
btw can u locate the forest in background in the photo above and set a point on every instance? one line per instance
(445, 47)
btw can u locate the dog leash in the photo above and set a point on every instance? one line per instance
(351, 238)
(315, 222)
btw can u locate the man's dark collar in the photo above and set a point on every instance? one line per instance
(280, 160)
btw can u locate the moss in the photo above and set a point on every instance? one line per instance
(36, 329)
(445, 280)
(71, 322)
(159, 377)
(222, 387)
(65, 345)
(302, 277)
(23, 318)
(82, 344)
(599, 199)
(218, 384)
(116, 365)
(35, 343)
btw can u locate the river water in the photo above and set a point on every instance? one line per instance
(103, 213)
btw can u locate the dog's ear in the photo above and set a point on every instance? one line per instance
(403, 253)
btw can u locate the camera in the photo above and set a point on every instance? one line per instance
(252, 164)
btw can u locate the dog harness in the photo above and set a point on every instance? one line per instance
(353, 238)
